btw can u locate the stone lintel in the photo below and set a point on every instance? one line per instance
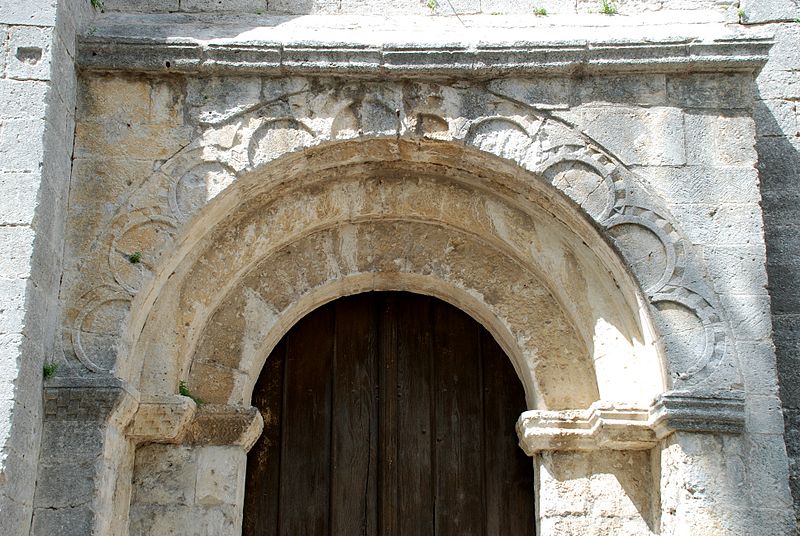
(386, 61)
(608, 426)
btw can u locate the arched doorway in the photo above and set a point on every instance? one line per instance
(388, 413)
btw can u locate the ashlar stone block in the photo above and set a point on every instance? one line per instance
(29, 53)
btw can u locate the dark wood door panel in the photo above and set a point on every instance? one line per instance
(390, 414)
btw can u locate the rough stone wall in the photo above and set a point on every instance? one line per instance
(37, 119)
(777, 114)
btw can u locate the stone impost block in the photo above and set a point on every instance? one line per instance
(687, 412)
(162, 419)
(600, 426)
(100, 398)
(607, 426)
(217, 424)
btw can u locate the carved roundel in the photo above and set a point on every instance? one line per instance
(139, 239)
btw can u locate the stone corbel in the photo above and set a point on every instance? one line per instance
(608, 426)
(178, 419)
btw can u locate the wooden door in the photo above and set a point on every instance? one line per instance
(388, 413)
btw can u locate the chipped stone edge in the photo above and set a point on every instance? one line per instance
(606, 426)
(413, 60)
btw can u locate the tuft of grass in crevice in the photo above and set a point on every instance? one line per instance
(608, 7)
(540, 12)
(97, 4)
(49, 370)
(183, 390)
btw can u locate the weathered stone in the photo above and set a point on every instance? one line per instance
(592, 201)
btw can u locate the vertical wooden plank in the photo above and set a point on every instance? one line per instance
(387, 349)
(458, 459)
(305, 464)
(263, 460)
(355, 418)
(414, 426)
(509, 472)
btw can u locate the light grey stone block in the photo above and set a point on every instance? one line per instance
(22, 99)
(770, 10)
(778, 84)
(764, 415)
(12, 296)
(776, 117)
(716, 91)
(29, 12)
(652, 136)
(702, 184)
(737, 269)
(29, 53)
(16, 250)
(19, 200)
(720, 140)
(21, 144)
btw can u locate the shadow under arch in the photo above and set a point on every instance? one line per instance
(358, 197)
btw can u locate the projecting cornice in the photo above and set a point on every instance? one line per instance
(281, 47)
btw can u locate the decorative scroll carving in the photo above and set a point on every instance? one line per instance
(606, 426)
(142, 231)
(291, 117)
(100, 315)
(277, 137)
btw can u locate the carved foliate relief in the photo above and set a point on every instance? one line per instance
(290, 115)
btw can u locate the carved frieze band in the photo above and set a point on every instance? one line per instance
(605, 426)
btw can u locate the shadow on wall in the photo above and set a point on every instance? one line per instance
(615, 487)
(779, 173)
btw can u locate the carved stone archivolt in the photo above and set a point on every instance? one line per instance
(295, 114)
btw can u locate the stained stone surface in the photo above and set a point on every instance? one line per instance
(595, 202)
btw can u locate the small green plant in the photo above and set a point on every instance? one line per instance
(183, 390)
(135, 257)
(741, 14)
(97, 4)
(608, 7)
(540, 12)
(49, 370)
(433, 5)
